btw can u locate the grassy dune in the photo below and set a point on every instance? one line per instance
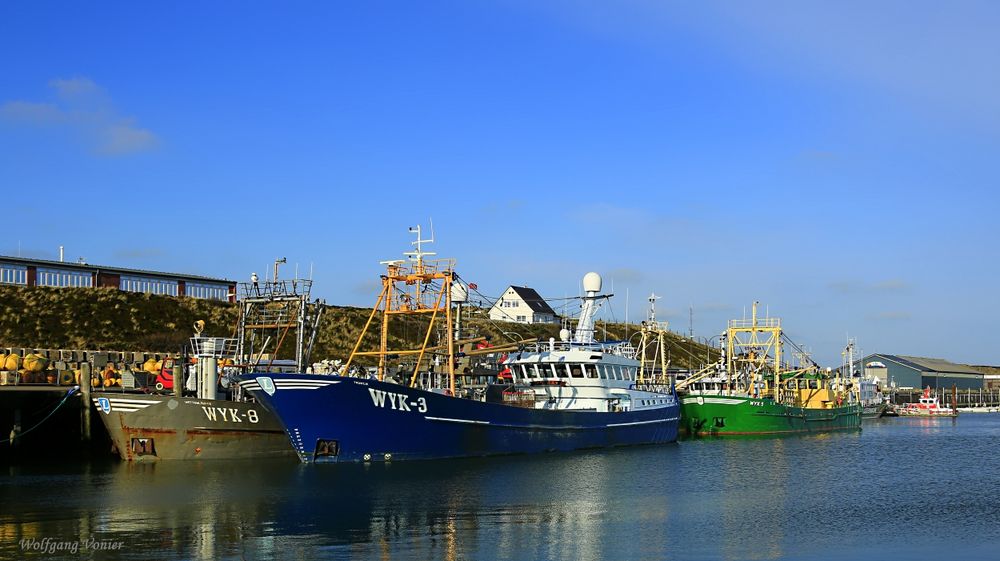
(108, 319)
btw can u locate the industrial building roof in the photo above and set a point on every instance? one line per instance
(931, 364)
(104, 268)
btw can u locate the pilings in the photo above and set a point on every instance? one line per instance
(85, 406)
(178, 373)
(980, 397)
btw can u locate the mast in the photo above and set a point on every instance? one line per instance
(412, 287)
(273, 311)
(653, 334)
(585, 326)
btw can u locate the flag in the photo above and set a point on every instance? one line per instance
(473, 286)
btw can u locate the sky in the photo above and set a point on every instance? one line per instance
(836, 161)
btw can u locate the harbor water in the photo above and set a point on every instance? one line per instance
(899, 489)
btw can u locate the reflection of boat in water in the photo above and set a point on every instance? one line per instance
(926, 406)
(560, 395)
(751, 391)
(210, 417)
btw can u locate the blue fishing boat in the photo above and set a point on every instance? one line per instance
(570, 394)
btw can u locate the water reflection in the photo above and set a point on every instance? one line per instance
(798, 497)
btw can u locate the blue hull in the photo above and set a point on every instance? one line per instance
(337, 419)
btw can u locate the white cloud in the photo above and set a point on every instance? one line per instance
(85, 110)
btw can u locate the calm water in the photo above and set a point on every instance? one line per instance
(900, 489)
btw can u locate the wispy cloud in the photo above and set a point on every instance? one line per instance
(370, 288)
(862, 287)
(83, 109)
(139, 253)
(624, 274)
(927, 54)
(890, 316)
(506, 205)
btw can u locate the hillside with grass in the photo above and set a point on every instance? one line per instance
(109, 319)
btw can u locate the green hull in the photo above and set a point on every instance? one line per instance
(717, 415)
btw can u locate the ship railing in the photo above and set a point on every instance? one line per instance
(424, 267)
(620, 348)
(215, 347)
(760, 322)
(275, 289)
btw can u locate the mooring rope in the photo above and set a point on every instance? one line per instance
(71, 391)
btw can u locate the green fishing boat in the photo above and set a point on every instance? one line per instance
(752, 391)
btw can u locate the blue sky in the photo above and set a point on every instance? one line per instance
(836, 161)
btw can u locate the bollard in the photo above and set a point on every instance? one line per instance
(178, 379)
(211, 378)
(85, 394)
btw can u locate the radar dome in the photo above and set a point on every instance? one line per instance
(564, 334)
(591, 282)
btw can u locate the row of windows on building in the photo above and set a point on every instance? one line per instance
(13, 274)
(44, 276)
(63, 278)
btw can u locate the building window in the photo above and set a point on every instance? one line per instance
(522, 319)
(13, 274)
(148, 285)
(63, 278)
(207, 291)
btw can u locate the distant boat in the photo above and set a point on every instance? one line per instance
(927, 406)
(562, 395)
(752, 392)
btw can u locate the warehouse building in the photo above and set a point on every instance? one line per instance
(40, 272)
(917, 372)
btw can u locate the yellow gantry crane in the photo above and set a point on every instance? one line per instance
(753, 349)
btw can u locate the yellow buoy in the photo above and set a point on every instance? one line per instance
(150, 366)
(12, 362)
(35, 363)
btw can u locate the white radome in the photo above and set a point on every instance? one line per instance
(592, 282)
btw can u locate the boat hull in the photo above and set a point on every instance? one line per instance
(338, 419)
(940, 413)
(735, 415)
(147, 427)
(872, 411)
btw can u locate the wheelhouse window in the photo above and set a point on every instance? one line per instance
(590, 370)
(576, 370)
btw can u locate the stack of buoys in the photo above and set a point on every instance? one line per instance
(111, 376)
(152, 366)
